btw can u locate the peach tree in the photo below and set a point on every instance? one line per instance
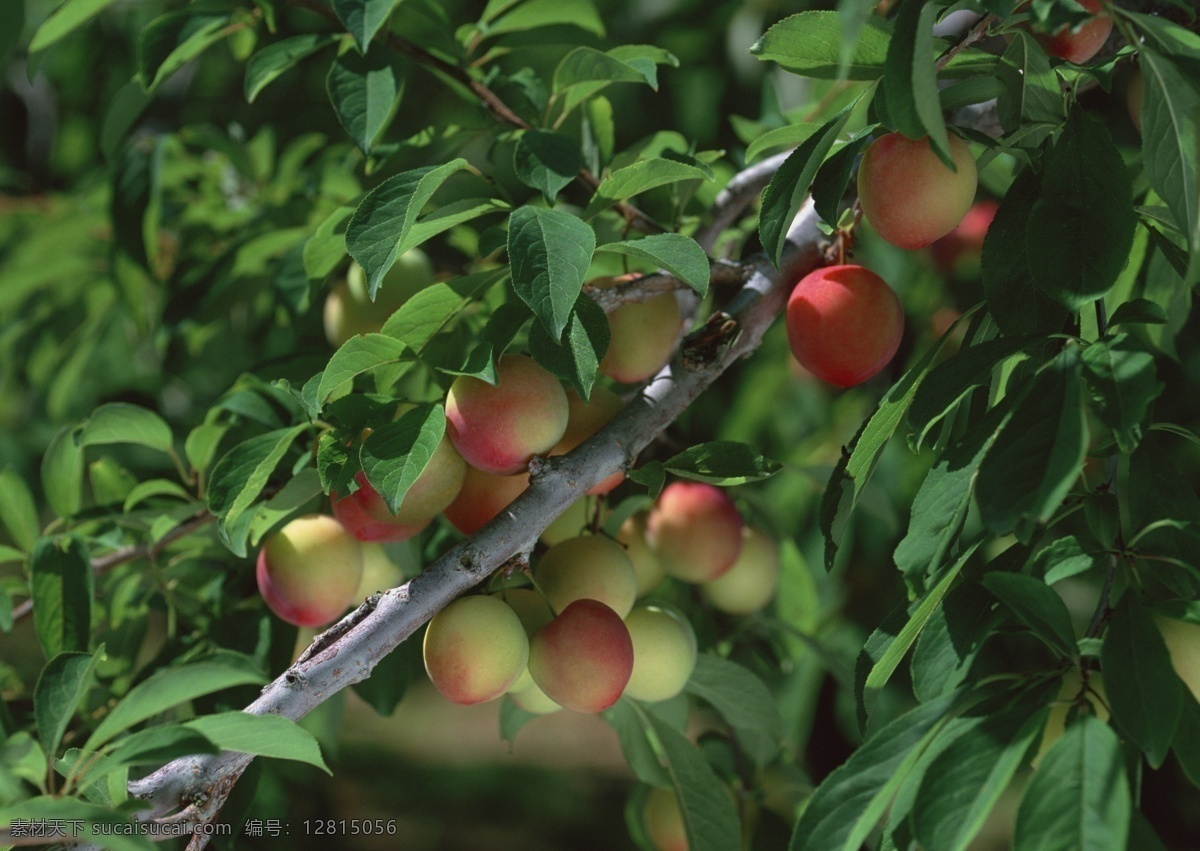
(364, 314)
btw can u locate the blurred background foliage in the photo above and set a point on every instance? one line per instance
(150, 253)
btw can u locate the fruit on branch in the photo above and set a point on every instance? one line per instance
(309, 570)
(1080, 45)
(750, 584)
(960, 251)
(585, 419)
(481, 497)
(644, 334)
(664, 653)
(583, 658)
(379, 572)
(695, 530)
(663, 820)
(909, 195)
(349, 310)
(534, 613)
(351, 514)
(1183, 643)
(1135, 93)
(570, 524)
(498, 429)
(475, 649)
(646, 564)
(587, 567)
(844, 324)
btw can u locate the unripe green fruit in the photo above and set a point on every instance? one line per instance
(663, 820)
(643, 335)
(844, 324)
(481, 497)
(664, 653)
(646, 564)
(474, 649)
(534, 613)
(570, 524)
(533, 700)
(695, 530)
(750, 584)
(909, 195)
(498, 429)
(588, 567)
(583, 658)
(349, 310)
(309, 570)
(1080, 45)
(379, 572)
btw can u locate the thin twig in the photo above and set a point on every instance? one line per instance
(972, 35)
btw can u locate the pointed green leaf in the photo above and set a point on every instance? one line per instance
(811, 44)
(363, 18)
(357, 355)
(64, 20)
(910, 78)
(722, 462)
(153, 746)
(829, 185)
(549, 253)
(1036, 606)
(172, 40)
(576, 355)
(364, 91)
(639, 177)
(118, 422)
(17, 511)
(1031, 89)
(265, 66)
(394, 455)
(382, 227)
(1121, 381)
(675, 253)
(62, 472)
(543, 13)
(63, 587)
(60, 687)
(546, 161)
(741, 697)
(242, 473)
(260, 735)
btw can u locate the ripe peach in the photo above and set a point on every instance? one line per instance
(498, 429)
(646, 564)
(363, 526)
(474, 649)
(348, 307)
(643, 335)
(844, 324)
(588, 567)
(695, 530)
(308, 571)
(481, 498)
(664, 653)
(961, 250)
(909, 195)
(585, 419)
(663, 819)
(534, 613)
(750, 584)
(583, 658)
(1078, 46)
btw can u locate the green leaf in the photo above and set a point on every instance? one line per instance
(852, 799)
(588, 65)
(742, 699)
(722, 462)
(170, 687)
(639, 177)
(60, 687)
(636, 746)
(394, 455)
(1031, 89)
(1067, 556)
(787, 190)
(64, 20)
(301, 489)
(383, 226)
(679, 255)
(1142, 689)
(546, 161)
(62, 472)
(708, 814)
(812, 44)
(17, 511)
(120, 832)
(260, 735)
(152, 488)
(886, 665)
(1017, 306)
(549, 253)
(788, 136)
(652, 476)
(1038, 455)
(363, 18)
(1121, 381)
(829, 185)
(364, 91)
(357, 355)
(1171, 145)
(118, 422)
(172, 40)
(153, 746)
(951, 641)
(1036, 606)
(543, 13)
(1080, 229)
(265, 66)
(1079, 798)
(576, 355)
(965, 781)
(1138, 311)
(242, 473)
(63, 587)
(391, 677)
(1186, 746)
(910, 78)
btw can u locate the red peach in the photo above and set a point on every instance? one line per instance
(695, 530)
(643, 335)
(481, 498)
(583, 658)
(308, 571)
(1078, 46)
(474, 649)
